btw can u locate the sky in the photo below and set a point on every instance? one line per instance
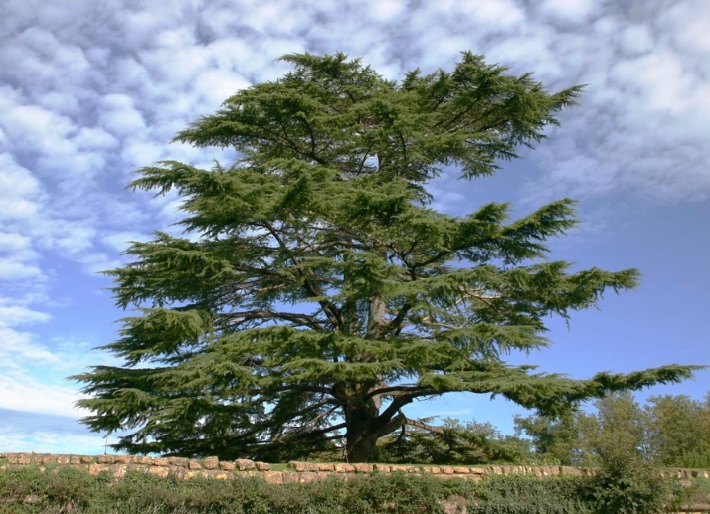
(91, 91)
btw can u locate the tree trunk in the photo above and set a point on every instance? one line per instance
(361, 439)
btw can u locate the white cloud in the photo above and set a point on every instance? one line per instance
(571, 11)
(11, 315)
(19, 349)
(119, 116)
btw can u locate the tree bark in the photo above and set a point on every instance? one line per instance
(361, 439)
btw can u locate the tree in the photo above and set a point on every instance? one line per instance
(561, 439)
(317, 294)
(670, 431)
(679, 431)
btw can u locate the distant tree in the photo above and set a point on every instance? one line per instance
(316, 294)
(670, 431)
(628, 481)
(561, 439)
(679, 431)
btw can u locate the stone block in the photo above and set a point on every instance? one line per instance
(263, 466)
(363, 468)
(211, 463)
(227, 466)
(159, 471)
(569, 470)
(273, 477)
(289, 476)
(161, 461)
(194, 464)
(245, 464)
(307, 476)
(296, 465)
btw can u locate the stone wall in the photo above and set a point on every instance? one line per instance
(295, 471)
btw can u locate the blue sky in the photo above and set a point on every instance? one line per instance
(90, 91)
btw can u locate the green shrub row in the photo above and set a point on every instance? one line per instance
(64, 490)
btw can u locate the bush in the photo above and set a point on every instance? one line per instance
(628, 484)
(531, 495)
(622, 487)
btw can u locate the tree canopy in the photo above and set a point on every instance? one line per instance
(316, 293)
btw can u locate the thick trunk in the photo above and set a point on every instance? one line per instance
(363, 423)
(362, 449)
(360, 437)
(365, 426)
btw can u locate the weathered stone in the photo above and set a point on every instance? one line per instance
(194, 464)
(263, 466)
(274, 477)
(289, 476)
(159, 471)
(226, 465)
(105, 459)
(178, 461)
(382, 468)
(211, 463)
(245, 464)
(85, 459)
(363, 468)
(569, 470)
(461, 470)
(123, 459)
(161, 461)
(326, 466)
(142, 459)
(447, 470)
(296, 465)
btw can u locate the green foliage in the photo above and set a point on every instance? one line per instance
(457, 443)
(71, 490)
(531, 495)
(562, 439)
(317, 295)
(669, 431)
(679, 431)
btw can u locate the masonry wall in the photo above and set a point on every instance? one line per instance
(296, 471)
